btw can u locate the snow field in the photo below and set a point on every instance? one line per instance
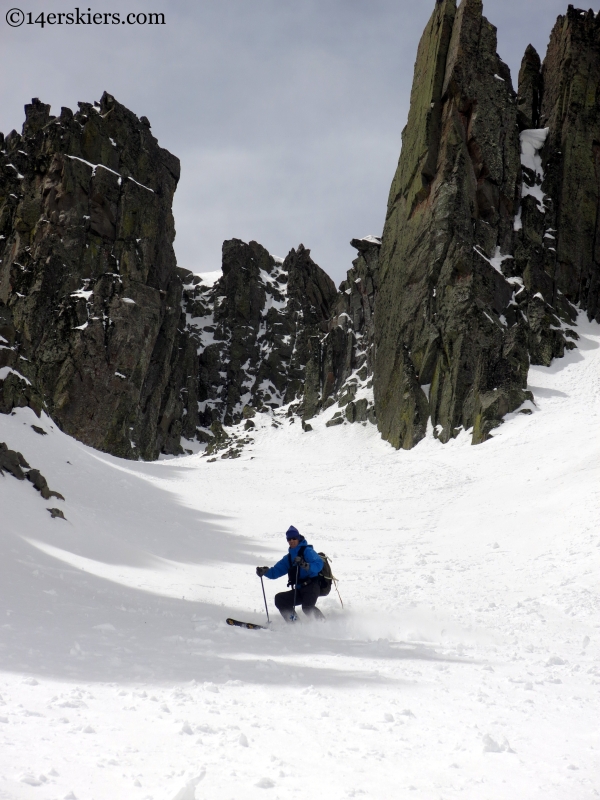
(465, 663)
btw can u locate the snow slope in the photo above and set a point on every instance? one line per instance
(464, 664)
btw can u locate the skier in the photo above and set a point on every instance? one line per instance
(302, 566)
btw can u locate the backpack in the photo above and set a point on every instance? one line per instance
(325, 576)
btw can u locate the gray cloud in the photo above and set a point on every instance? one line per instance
(286, 115)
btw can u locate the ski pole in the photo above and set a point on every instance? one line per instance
(262, 583)
(294, 616)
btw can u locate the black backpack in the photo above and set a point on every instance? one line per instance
(325, 576)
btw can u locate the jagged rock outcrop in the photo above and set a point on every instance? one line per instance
(341, 362)
(273, 332)
(545, 309)
(90, 298)
(15, 464)
(95, 326)
(464, 299)
(254, 327)
(557, 232)
(570, 109)
(443, 315)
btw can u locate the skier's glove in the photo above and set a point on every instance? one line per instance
(260, 571)
(301, 563)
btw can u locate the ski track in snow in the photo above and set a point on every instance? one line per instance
(465, 664)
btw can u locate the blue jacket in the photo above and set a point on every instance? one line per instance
(313, 559)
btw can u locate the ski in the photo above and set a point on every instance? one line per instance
(250, 625)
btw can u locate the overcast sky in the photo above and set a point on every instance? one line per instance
(286, 114)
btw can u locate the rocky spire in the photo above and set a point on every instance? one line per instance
(447, 343)
(530, 89)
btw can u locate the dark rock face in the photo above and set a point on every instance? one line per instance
(254, 327)
(556, 250)
(89, 294)
(544, 308)
(530, 90)
(471, 289)
(444, 316)
(571, 110)
(341, 362)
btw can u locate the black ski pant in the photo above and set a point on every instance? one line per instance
(306, 596)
